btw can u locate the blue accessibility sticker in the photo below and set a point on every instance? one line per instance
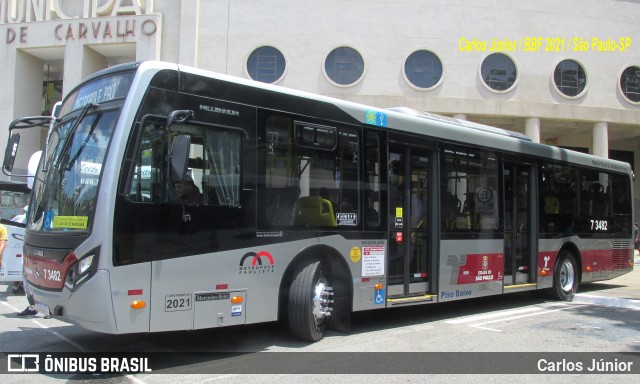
(378, 296)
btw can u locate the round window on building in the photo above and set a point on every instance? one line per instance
(423, 69)
(266, 64)
(499, 72)
(344, 66)
(630, 83)
(570, 78)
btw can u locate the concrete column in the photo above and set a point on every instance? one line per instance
(92, 62)
(532, 129)
(601, 139)
(7, 98)
(27, 101)
(80, 61)
(149, 42)
(460, 116)
(189, 31)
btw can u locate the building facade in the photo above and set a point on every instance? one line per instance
(564, 73)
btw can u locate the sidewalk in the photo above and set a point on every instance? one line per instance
(623, 291)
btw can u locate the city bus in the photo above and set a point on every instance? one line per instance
(172, 198)
(14, 197)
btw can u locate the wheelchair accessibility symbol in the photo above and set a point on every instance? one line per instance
(378, 296)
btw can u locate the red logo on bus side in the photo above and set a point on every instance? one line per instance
(257, 258)
(255, 266)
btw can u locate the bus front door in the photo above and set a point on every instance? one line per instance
(518, 205)
(408, 259)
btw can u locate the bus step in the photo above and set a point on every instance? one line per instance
(411, 300)
(520, 287)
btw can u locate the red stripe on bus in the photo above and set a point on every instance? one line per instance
(47, 273)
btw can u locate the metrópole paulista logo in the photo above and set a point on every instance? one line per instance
(252, 263)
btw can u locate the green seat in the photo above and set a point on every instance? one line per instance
(316, 211)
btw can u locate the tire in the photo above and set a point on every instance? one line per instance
(565, 277)
(310, 302)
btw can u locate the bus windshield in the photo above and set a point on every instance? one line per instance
(65, 188)
(65, 193)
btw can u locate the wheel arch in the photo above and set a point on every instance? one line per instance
(575, 251)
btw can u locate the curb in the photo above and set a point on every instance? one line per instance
(618, 302)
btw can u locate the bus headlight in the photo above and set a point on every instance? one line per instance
(84, 264)
(82, 269)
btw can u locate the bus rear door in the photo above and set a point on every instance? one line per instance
(519, 225)
(409, 259)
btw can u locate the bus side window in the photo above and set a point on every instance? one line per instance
(621, 204)
(469, 191)
(372, 180)
(146, 180)
(311, 172)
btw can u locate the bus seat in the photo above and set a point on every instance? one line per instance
(316, 211)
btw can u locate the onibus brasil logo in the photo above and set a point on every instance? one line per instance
(252, 263)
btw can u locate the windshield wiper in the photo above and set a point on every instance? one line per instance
(71, 162)
(72, 131)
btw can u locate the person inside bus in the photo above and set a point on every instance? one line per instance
(188, 192)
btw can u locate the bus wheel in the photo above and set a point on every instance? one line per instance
(310, 302)
(565, 278)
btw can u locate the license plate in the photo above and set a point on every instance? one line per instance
(42, 308)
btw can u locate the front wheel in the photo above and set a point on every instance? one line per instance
(310, 302)
(565, 277)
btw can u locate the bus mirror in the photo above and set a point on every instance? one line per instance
(10, 153)
(55, 111)
(179, 157)
(179, 116)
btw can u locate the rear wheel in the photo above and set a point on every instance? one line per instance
(565, 277)
(310, 302)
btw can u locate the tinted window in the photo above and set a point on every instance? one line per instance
(266, 64)
(570, 78)
(558, 199)
(630, 83)
(423, 69)
(213, 175)
(308, 185)
(470, 192)
(499, 72)
(344, 66)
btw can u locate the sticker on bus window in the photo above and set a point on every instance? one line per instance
(376, 118)
(350, 219)
(70, 222)
(398, 219)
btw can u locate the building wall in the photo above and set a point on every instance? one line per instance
(220, 35)
(385, 33)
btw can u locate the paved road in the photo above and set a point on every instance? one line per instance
(603, 317)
